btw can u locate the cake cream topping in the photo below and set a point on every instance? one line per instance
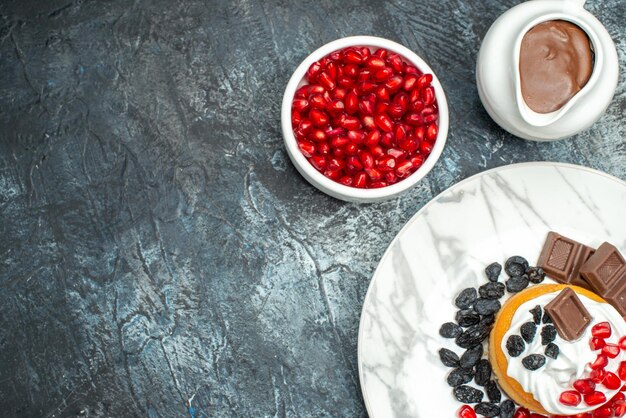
(558, 375)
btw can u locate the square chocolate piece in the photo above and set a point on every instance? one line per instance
(616, 296)
(603, 270)
(561, 258)
(569, 315)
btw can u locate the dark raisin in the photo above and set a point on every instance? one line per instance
(449, 358)
(528, 331)
(487, 409)
(493, 391)
(471, 356)
(483, 372)
(468, 394)
(493, 271)
(536, 311)
(517, 284)
(548, 334)
(460, 376)
(552, 350)
(533, 361)
(546, 318)
(467, 317)
(507, 409)
(487, 319)
(473, 336)
(466, 298)
(515, 266)
(535, 274)
(450, 330)
(491, 290)
(486, 306)
(515, 345)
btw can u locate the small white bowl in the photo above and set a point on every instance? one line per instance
(328, 186)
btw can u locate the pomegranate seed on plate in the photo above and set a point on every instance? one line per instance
(367, 159)
(325, 80)
(382, 93)
(307, 148)
(611, 350)
(521, 413)
(375, 63)
(431, 132)
(425, 148)
(600, 362)
(373, 174)
(318, 161)
(597, 376)
(570, 398)
(383, 122)
(346, 180)
(318, 117)
(467, 411)
(360, 180)
(383, 74)
(410, 81)
(595, 398)
(611, 381)
(317, 135)
(601, 330)
(424, 81)
(300, 105)
(621, 370)
(585, 386)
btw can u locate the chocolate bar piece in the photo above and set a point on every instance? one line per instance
(569, 315)
(605, 271)
(562, 258)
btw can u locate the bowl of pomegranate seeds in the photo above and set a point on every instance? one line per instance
(364, 119)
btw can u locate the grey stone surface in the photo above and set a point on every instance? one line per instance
(160, 256)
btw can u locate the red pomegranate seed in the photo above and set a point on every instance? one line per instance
(356, 137)
(395, 111)
(387, 163)
(360, 180)
(345, 82)
(365, 87)
(621, 370)
(409, 145)
(373, 174)
(332, 70)
(325, 80)
(521, 413)
(346, 180)
(300, 105)
(394, 83)
(622, 343)
(318, 161)
(431, 132)
(333, 175)
(307, 148)
(603, 412)
(467, 411)
(585, 386)
(596, 343)
(417, 161)
(399, 133)
(414, 119)
(351, 103)
(410, 81)
(353, 164)
(595, 398)
(351, 123)
(367, 106)
(372, 138)
(601, 330)
(350, 70)
(428, 95)
(317, 135)
(377, 151)
(318, 117)
(367, 159)
(383, 122)
(611, 381)
(382, 93)
(611, 350)
(383, 74)
(336, 164)
(398, 154)
(391, 177)
(570, 398)
(353, 57)
(387, 140)
(597, 376)
(600, 362)
(313, 71)
(424, 81)
(403, 169)
(318, 101)
(351, 149)
(396, 63)
(425, 148)
(338, 153)
(378, 184)
(339, 141)
(375, 63)
(420, 133)
(417, 106)
(296, 118)
(364, 75)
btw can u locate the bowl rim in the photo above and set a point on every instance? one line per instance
(336, 189)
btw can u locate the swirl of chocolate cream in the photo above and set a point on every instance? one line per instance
(555, 63)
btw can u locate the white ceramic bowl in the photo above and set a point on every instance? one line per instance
(329, 186)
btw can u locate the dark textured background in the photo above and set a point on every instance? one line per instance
(160, 256)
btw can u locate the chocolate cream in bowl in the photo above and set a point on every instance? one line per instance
(555, 63)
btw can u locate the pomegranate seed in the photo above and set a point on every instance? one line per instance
(351, 123)
(622, 343)
(597, 376)
(424, 81)
(325, 80)
(414, 119)
(351, 149)
(313, 71)
(296, 118)
(619, 397)
(383, 122)
(307, 148)
(420, 133)
(367, 106)
(372, 138)
(417, 106)
(404, 168)
(396, 63)
(410, 81)
(600, 362)
(336, 164)
(391, 177)
(346, 180)
(364, 75)
(353, 57)
(318, 101)
(373, 174)
(521, 413)
(382, 93)
(338, 153)
(303, 92)
(430, 118)
(596, 343)
(300, 105)
(394, 83)
(339, 141)
(621, 370)
(595, 398)
(431, 132)
(330, 132)
(365, 52)
(353, 164)
(318, 117)
(350, 70)
(346, 82)
(467, 411)
(367, 159)
(395, 111)
(332, 70)
(398, 154)
(383, 74)
(365, 87)
(317, 135)
(316, 89)
(611, 381)
(425, 148)
(356, 137)
(387, 163)
(323, 148)
(611, 350)
(387, 140)
(333, 175)
(601, 330)
(409, 145)
(378, 184)
(570, 398)
(585, 386)
(377, 151)
(351, 103)
(399, 133)
(318, 161)
(602, 412)
(428, 95)
(375, 63)
(360, 180)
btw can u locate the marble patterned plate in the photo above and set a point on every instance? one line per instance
(445, 247)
